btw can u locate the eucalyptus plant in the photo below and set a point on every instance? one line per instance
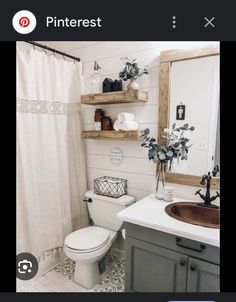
(131, 69)
(176, 145)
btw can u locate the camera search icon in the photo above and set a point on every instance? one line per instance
(26, 266)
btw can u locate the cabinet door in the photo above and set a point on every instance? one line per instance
(203, 276)
(153, 268)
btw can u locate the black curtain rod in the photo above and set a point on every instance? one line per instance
(53, 50)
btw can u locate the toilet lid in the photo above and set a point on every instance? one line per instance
(89, 238)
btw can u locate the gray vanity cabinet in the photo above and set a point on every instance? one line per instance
(153, 268)
(202, 276)
(161, 262)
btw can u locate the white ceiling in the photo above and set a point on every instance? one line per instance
(67, 45)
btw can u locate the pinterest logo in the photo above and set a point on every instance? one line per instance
(24, 22)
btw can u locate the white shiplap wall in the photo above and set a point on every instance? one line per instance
(135, 167)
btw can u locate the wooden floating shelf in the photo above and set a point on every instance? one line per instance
(117, 97)
(132, 135)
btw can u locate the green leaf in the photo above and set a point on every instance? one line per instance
(152, 140)
(185, 126)
(169, 153)
(176, 145)
(179, 147)
(146, 131)
(173, 126)
(151, 153)
(161, 155)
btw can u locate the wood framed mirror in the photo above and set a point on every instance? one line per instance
(181, 71)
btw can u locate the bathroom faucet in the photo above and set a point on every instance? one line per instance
(206, 179)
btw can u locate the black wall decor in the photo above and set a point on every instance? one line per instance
(107, 85)
(180, 112)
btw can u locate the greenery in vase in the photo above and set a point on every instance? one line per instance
(131, 69)
(176, 145)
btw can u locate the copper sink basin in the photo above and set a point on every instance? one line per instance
(193, 213)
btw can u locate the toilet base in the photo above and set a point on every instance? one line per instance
(86, 274)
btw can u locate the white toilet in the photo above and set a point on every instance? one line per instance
(88, 245)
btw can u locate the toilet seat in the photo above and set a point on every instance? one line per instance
(88, 239)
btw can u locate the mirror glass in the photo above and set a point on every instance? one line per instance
(194, 100)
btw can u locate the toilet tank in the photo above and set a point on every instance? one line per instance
(103, 209)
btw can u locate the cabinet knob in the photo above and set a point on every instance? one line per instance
(193, 267)
(178, 239)
(202, 246)
(182, 262)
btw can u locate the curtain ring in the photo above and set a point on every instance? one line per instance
(54, 54)
(44, 51)
(64, 56)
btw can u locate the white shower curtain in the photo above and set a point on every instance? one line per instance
(51, 171)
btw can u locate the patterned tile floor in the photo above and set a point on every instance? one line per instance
(60, 279)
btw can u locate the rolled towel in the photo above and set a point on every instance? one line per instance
(125, 116)
(129, 126)
(117, 125)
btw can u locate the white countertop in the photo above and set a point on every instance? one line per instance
(150, 212)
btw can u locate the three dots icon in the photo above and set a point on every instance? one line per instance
(174, 22)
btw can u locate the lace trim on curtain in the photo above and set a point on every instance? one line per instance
(52, 253)
(39, 107)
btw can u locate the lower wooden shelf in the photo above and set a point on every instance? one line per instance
(132, 135)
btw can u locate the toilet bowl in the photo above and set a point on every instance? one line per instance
(87, 246)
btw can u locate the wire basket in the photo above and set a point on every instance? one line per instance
(110, 186)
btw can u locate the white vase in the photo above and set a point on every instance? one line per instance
(133, 84)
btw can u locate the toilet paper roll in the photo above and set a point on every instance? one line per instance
(129, 126)
(125, 116)
(116, 125)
